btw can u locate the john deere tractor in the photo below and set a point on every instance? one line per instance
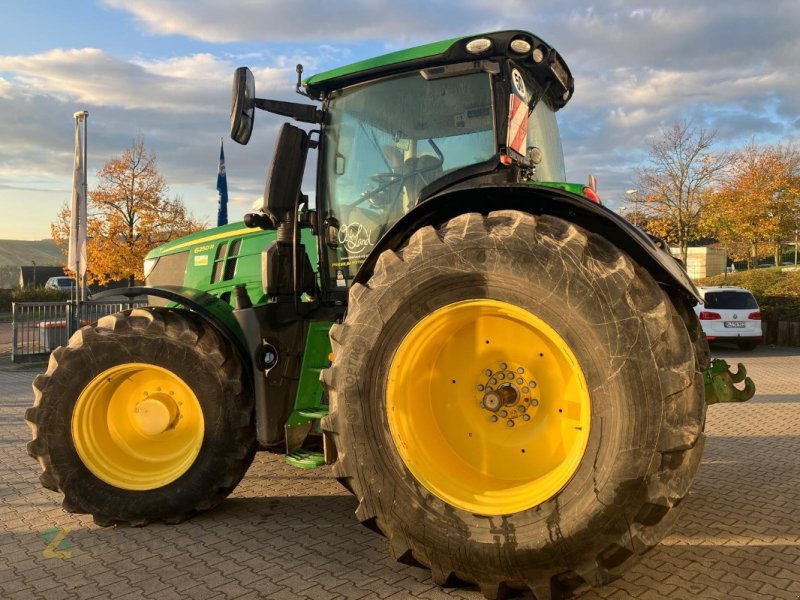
(506, 374)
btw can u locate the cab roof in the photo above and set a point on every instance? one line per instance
(550, 69)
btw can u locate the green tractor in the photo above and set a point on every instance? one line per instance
(507, 375)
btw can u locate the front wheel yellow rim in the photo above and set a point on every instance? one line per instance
(137, 426)
(488, 407)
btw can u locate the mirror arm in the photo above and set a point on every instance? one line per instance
(305, 113)
(299, 87)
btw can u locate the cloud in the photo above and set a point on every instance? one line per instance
(310, 20)
(197, 83)
(681, 33)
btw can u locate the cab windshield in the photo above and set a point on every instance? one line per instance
(386, 140)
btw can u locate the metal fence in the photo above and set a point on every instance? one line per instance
(40, 327)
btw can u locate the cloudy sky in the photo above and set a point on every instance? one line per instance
(162, 69)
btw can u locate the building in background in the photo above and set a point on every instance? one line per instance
(703, 261)
(22, 260)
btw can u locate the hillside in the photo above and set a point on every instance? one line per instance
(17, 253)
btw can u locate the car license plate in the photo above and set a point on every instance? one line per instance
(734, 324)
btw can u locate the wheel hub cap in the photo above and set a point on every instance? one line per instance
(155, 415)
(506, 391)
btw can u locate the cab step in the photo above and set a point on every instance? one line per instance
(305, 459)
(313, 412)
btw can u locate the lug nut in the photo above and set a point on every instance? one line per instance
(526, 417)
(493, 418)
(488, 372)
(534, 402)
(520, 381)
(520, 370)
(480, 388)
(501, 375)
(503, 366)
(532, 384)
(503, 413)
(525, 390)
(510, 423)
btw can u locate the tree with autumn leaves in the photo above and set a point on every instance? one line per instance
(130, 213)
(747, 199)
(673, 187)
(758, 207)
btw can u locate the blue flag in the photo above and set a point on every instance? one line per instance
(222, 188)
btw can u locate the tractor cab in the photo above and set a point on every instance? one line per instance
(398, 129)
(390, 144)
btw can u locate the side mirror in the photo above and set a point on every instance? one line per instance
(243, 105)
(282, 190)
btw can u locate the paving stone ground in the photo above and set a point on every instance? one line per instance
(289, 534)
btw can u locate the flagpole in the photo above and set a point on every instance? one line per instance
(84, 216)
(77, 254)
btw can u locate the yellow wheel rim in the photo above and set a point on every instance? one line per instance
(488, 407)
(137, 426)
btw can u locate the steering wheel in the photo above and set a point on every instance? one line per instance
(381, 196)
(385, 179)
(411, 169)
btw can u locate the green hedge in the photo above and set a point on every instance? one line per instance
(30, 295)
(777, 291)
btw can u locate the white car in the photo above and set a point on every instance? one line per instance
(730, 314)
(62, 284)
(65, 284)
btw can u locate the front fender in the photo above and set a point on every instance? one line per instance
(536, 200)
(218, 313)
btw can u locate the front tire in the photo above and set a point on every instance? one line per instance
(142, 417)
(562, 500)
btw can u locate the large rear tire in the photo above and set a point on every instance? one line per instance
(142, 417)
(516, 404)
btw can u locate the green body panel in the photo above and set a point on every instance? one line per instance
(216, 264)
(393, 58)
(308, 406)
(202, 263)
(201, 237)
(220, 309)
(575, 188)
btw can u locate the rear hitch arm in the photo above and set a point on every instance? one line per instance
(719, 383)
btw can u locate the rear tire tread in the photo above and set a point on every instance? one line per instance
(667, 484)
